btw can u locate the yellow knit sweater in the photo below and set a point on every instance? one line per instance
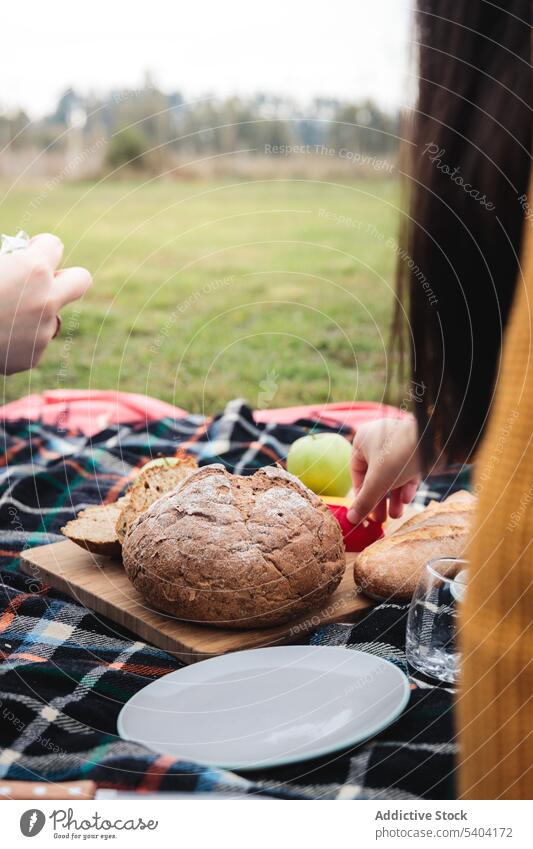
(495, 708)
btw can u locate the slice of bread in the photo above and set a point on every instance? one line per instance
(148, 487)
(94, 528)
(101, 529)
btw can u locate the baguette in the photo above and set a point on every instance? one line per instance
(457, 509)
(391, 567)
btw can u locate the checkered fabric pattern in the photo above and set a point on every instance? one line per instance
(66, 673)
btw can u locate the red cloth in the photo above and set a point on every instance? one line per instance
(91, 411)
(352, 414)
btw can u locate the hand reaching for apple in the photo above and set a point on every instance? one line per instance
(384, 467)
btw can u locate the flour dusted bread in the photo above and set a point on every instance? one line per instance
(240, 552)
(391, 567)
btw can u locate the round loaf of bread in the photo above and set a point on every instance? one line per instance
(233, 551)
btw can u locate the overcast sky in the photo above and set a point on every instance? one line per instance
(343, 48)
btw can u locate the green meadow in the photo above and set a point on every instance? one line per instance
(276, 291)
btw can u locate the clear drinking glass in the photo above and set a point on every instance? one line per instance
(432, 621)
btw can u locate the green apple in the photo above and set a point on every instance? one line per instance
(160, 461)
(322, 462)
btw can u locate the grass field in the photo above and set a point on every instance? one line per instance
(279, 292)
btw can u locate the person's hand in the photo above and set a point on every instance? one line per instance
(384, 467)
(32, 293)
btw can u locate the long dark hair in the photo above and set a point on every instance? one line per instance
(469, 163)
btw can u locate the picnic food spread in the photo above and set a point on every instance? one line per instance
(251, 552)
(391, 567)
(279, 553)
(234, 551)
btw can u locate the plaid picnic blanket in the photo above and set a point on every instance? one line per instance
(65, 673)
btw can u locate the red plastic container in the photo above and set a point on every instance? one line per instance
(355, 539)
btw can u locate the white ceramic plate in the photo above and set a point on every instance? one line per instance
(266, 707)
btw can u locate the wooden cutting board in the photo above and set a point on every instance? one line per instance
(101, 584)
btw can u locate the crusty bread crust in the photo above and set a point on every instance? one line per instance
(456, 509)
(391, 567)
(239, 552)
(148, 487)
(101, 529)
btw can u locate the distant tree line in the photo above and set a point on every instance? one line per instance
(146, 125)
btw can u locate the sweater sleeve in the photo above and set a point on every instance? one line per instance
(494, 704)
